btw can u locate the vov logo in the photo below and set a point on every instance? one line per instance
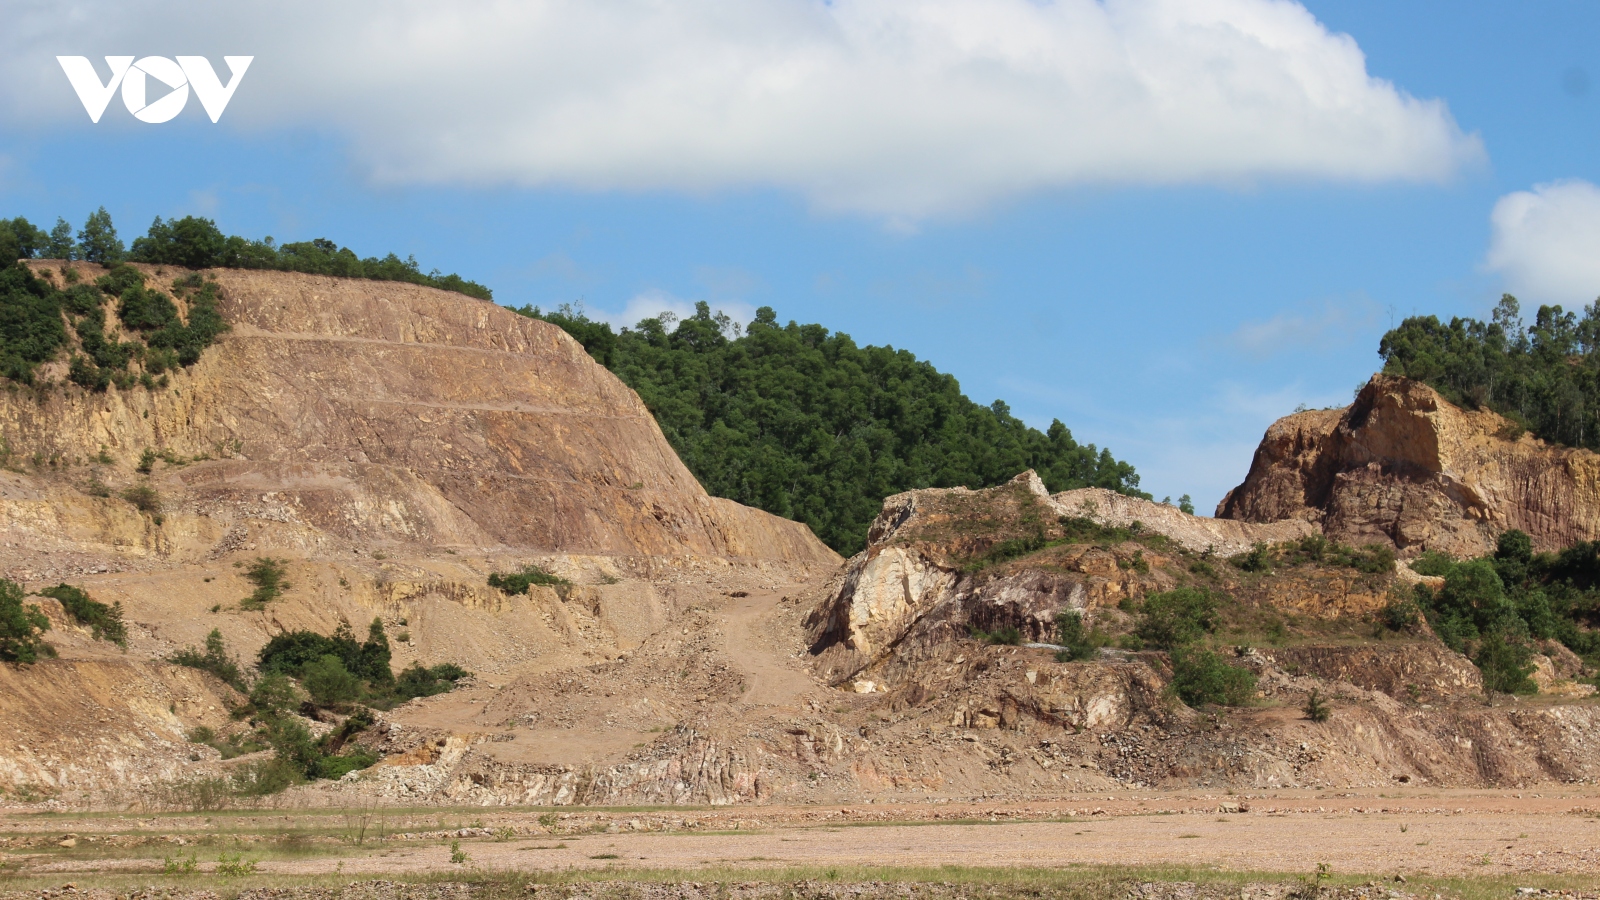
(134, 78)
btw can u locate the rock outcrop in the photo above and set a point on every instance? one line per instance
(1403, 466)
(921, 581)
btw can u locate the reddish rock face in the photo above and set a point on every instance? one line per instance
(1403, 466)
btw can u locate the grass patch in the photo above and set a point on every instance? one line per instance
(519, 582)
(1078, 882)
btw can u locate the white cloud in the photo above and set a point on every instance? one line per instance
(1546, 242)
(1312, 329)
(652, 303)
(893, 109)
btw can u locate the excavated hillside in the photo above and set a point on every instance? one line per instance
(1404, 467)
(393, 445)
(922, 619)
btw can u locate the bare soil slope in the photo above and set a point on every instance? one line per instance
(392, 444)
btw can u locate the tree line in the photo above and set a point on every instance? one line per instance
(1544, 377)
(804, 423)
(197, 243)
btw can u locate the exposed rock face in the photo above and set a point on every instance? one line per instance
(387, 412)
(1403, 466)
(392, 444)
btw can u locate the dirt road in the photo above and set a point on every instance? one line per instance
(1462, 835)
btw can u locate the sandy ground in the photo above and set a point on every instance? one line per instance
(1442, 834)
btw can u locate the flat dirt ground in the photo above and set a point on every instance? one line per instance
(1554, 834)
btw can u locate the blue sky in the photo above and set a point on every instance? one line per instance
(1166, 269)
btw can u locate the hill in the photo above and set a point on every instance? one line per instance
(386, 447)
(803, 423)
(1543, 377)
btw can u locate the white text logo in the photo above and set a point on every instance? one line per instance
(134, 78)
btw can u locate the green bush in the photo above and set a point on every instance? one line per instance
(31, 326)
(1005, 635)
(1081, 644)
(1201, 677)
(1504, 663)
(105, 622)
(519, 582)
(21, 626)
(144, 498)
(418, 680)
(1433, 563)
(1177, 617)
(329, 683)
(1317, 709)
(290, 652)
(274, 695)
(1400, 614)
(1257, 559)
(213, 659)
(266, 574)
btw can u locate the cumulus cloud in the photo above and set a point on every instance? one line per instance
(1546, 242)
(897, 110)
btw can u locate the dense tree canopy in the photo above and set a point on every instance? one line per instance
(197, 243)
(1545, 378)
(804, 423)
(1492, 608)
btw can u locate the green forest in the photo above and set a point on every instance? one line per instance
(1544, 377)
(802, 422)
(197, 243)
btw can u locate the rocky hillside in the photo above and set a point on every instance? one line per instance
(951, 618)
(391, 445)
(1404, 467)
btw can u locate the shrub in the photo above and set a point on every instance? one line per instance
(144, 498)
(1400, 614)
(1200, 677)
(213, 659)
(1007, 550)
(264, 777)
(266, 574)
(1504, 663)
(274, 695)
(1257, 559)
(20, 626)
(519, 582)
(105, 622)
(290, 652)
(329, 683)
(1070, 633)
(1007, 635)
(421, 681)
(1316, 709)
(1177, 617)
